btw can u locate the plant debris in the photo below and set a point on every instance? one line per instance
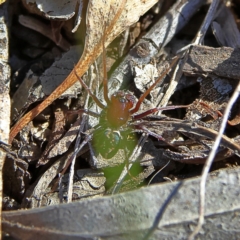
(55, 117)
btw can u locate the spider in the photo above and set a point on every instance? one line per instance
(114, 128)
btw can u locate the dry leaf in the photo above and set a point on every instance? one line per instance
(130, 215)
(61, 9)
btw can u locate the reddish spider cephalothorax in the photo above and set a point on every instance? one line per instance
(114, 123)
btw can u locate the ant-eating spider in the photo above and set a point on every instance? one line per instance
(115, 119)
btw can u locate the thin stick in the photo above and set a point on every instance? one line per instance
(77, 147)
(177, 73)
(71, 173)
(158, 172)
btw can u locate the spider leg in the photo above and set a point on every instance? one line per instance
(94, 114)
(106, 33)
(105, 80)
(156, 109)
(94, 97)
(140, 100)
(141, 128)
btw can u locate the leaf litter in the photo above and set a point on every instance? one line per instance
(190, 135)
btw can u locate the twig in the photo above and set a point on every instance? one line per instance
(158, 172)
(71, 173)
(204, 27)
(72, 160)
(174, 80)
(77, 147)
(206, 23)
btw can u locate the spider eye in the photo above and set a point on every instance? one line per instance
(130, 98)
(122, 100)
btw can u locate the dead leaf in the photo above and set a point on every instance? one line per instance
(61, 9)
(129, 216)
(53, 32)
